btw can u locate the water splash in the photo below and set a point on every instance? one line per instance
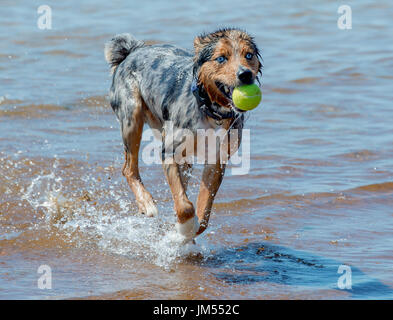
(104, 215)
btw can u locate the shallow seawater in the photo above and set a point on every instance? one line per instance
(319, 193)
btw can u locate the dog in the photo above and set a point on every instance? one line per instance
(160, 84)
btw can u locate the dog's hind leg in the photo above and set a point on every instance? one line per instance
(132, 127)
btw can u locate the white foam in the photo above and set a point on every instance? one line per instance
(113, 223)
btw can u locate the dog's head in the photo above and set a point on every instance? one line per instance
(225, 59)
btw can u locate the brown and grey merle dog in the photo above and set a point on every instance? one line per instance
(161, 84)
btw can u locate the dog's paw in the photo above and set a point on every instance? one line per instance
(151, 210)
(148, 209)
(189, 228)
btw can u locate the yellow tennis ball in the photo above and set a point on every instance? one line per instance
(247, 97)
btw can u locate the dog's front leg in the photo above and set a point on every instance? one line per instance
(211, 181)
(187, 222)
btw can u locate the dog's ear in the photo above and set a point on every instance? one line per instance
(203, 51)
(199, 43)
(260, 60)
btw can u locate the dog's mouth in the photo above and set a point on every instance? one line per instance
(227, 91)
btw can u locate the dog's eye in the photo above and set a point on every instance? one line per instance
(221, 59)
(249, 56)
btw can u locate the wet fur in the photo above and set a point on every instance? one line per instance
(152, 83)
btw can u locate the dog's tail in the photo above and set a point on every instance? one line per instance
(120, 47)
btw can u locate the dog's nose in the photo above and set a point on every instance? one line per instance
(244, 75)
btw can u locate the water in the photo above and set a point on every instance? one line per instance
(319, 193)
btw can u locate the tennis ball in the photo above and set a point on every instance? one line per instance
(247, 97)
